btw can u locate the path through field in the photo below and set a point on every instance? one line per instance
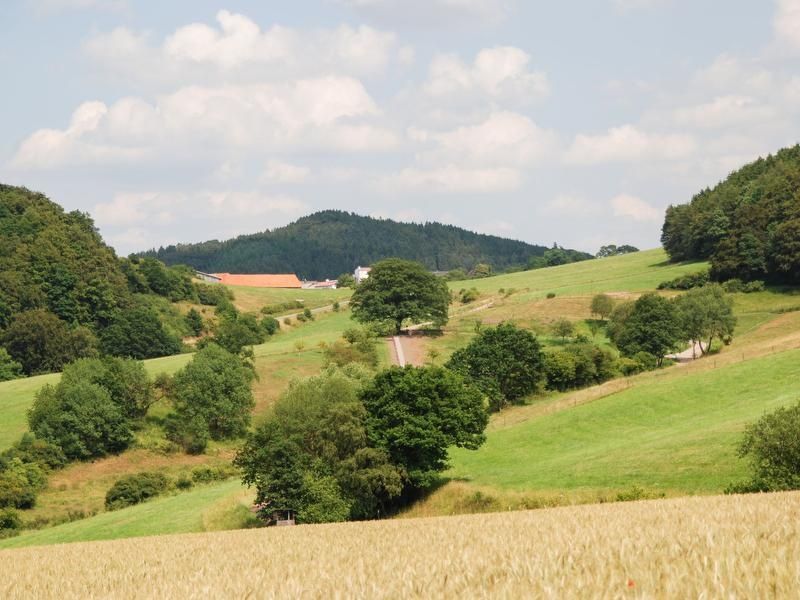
(407, 350)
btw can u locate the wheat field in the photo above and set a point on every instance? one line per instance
(712, 547)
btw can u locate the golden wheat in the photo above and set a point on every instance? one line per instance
(714, 547)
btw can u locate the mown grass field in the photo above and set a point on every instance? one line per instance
(674, 434)
(210, 507)
(712, 547)
(250, 299)
(629, 273)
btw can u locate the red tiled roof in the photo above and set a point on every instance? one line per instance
(263, 281)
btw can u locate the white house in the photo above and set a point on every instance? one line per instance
(361, 273)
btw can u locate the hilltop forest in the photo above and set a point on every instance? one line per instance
(64, 294)
(332, 242)
(748, 226)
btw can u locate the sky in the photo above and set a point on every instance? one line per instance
(570, 122)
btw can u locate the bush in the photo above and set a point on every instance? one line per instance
(336, 306)
(20, 483)
(356, 346)
(469, 295)
(194, 322)
(31, 450)
(81, 418)
(10, 523)
(686, 282)
(279, 307)
(270, 325)
(213, 294)
(551, 295)
(134, 489)
(9, 368)
(210, 474)
(234, 334)
(505, 362)
(308, 314)
(579, 365)
(733, 286)
(190, 434)
(754, 286)
(184, 483)
(772, 446)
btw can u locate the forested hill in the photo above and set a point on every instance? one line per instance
(748, 226)
(329, 243)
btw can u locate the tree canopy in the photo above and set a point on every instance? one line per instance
(748, 226)
(505, 362)
(400, 290)
(332, 242)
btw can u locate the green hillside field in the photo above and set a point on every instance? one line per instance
(673, 431)
(675, 434)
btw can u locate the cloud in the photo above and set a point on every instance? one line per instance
(626, 6)
(503, 139)
(724, 112)
(282, 172)
(454, 179)
(571, 206)
(48, 7)
(631, 207)
(427, 13)
(323, 114)
(238, 49)
(131, 208)
(786, 24)
(501, 73)
(629, 144)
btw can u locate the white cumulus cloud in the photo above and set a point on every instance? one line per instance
(502, 73)
(629, 144)
(239, 49)
(631, 207)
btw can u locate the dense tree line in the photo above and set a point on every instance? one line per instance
(328, 243)
(748, 226)
(64, 294)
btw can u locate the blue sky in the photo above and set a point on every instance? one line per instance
(570, 122)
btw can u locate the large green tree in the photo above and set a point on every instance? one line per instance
(80, 418)
(216, 387)
(126, 381)
(416, 414)
(505, 362)
(706, 313)
(652, 326)
(398, 291)
(312, 454)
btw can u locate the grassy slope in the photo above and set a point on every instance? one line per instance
(254, 299)
(205, 508)
(676, 434)
(629, 273)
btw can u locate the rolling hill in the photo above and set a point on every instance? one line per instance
(672, 431)
(329, 243)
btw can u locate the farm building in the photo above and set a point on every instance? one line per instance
(287, 281)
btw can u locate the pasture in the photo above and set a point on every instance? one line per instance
(680, 548)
